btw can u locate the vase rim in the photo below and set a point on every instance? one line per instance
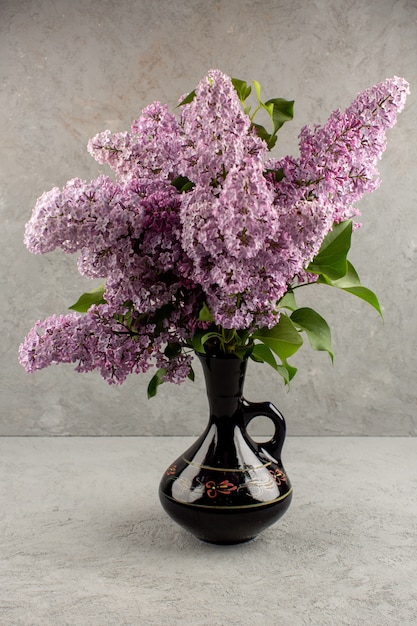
(224, 356)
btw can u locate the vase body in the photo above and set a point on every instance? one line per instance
(227, 488)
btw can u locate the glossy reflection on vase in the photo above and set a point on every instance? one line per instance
(227, 488)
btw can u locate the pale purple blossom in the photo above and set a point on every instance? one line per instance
(91, 341)
(237, 239)
(102, 340)
(216, 132)
(150, 151)
(338, 161)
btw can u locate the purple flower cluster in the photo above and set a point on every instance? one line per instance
(235, 238)
(98, 340)
(149, 152)
(337, 162)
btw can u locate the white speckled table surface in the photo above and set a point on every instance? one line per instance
(84, 540)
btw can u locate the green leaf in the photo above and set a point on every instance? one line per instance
(172, 349)
(278, 174)
(182, 184)
(352, 284)
(191, 374)
(272, 141)
(283, 339)
(196, 341)
(88, 299)
(350, 279)
(316, 328)
(280, 110)
(156, 380)
(242, 352)
(288, 301)
(331, 259)
(187, 99)
(204, 314)
(201, 336)
(212, 334)
(365, 294)
(262, 354)
(262, 132)
(242, 88)
(287, 371)
(258, 90)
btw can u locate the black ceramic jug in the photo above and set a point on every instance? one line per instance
(226, 488)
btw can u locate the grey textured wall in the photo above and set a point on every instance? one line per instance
(71, 68)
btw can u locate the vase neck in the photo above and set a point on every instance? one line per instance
(224, 376)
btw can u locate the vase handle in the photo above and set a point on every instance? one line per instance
(266, 409)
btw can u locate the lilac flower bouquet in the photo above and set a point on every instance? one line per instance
(200, 241)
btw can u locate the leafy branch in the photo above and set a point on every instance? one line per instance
(332, 268)
(278, 109)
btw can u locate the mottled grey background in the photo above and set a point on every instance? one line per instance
(72, 68)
